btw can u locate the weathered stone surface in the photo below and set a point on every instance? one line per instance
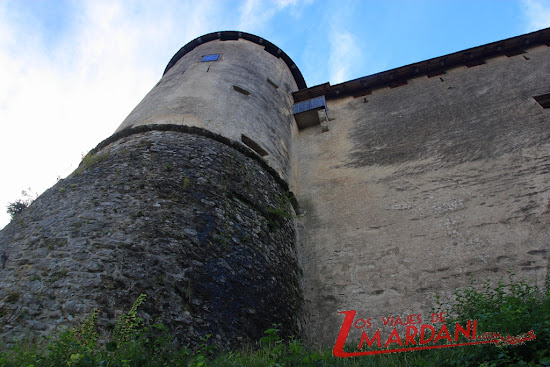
(206, 95)
(201, 228)
(415, 189)
(405, 192)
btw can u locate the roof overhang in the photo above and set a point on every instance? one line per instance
(399, 76)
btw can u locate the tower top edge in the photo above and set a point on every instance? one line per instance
(234, 36)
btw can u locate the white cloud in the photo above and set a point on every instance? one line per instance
(537, 13)
(255, 14)
(57, 101)
(344, 54)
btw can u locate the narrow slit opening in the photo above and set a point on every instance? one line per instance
(396, 84)
(272, 83)
(253, 145)
(431, 74)
(241, 90)
(513, 52)
(471, 64)
(543, 100)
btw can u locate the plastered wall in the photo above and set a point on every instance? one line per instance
(203, 94)
(415, 189)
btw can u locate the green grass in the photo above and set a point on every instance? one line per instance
(514, 307)
(89, 160)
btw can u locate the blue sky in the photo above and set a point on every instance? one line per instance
(71, 71)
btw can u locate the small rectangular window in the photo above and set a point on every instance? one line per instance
(253, 145)
(543, 100)
(272, 83)
(397, 83)
(471, 64)
(306, 113)
(514, 52)
(433, 73)
(241, 90)
(310, 104)
(212, 57)
(366, 92)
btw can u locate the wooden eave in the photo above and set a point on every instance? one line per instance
(399, 76)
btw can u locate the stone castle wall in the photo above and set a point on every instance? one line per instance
(201, 227)
(415, 189)
(246, 92)
(411, 191)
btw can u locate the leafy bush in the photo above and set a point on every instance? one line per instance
(16, 207)
(20, 204)
(511, 308)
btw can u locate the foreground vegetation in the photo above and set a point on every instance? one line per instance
(513, 308)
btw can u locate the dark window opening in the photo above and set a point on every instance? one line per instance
(514, 52)
(474, 62)
(212, 57)
(253, 145)
(272, 83)
(241, 90)
(367, 92)
(431, 74)
(396, 84)
(543, 100)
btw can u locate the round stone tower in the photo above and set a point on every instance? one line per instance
(233, 84)
(188, 202)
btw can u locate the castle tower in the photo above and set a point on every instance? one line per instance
(188, 202)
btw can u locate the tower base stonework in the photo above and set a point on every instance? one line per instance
(202, 227)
